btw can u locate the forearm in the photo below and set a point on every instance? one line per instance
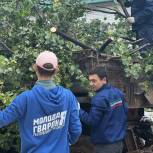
(7, 116)
(92, 118)
(12, 112)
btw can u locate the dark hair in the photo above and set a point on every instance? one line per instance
(45, 72)
(100, 71)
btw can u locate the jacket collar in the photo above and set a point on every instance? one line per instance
(105, 86)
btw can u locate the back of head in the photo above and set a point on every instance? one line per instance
(47, 63)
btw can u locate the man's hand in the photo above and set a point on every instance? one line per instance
(131, 20)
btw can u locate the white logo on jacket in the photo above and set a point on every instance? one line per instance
(44, 125)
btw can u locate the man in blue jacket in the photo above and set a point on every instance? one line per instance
(48, 114)
(142, 20)
(107, 116)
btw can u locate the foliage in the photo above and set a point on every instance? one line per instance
(97, 32)
(25, 29)
(9, 140)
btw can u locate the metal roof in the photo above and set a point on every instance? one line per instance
(96, 1)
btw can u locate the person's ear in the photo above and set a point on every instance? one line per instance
(57, 69)
(104, 79)
(34, 66)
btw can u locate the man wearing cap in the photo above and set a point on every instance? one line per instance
(48, 114)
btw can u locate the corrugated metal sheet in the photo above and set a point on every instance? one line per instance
(97, 1)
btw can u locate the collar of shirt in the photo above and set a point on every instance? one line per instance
(48, 84)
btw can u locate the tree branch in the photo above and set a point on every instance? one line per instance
(5, 46)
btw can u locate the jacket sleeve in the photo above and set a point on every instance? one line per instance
(142, 16)
(75, 128)
(97, 111)
(13, 112)
(125, 104)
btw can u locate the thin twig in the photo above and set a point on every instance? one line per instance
(137, 41)
(3, 44)
(126, 38)
(141, 47)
